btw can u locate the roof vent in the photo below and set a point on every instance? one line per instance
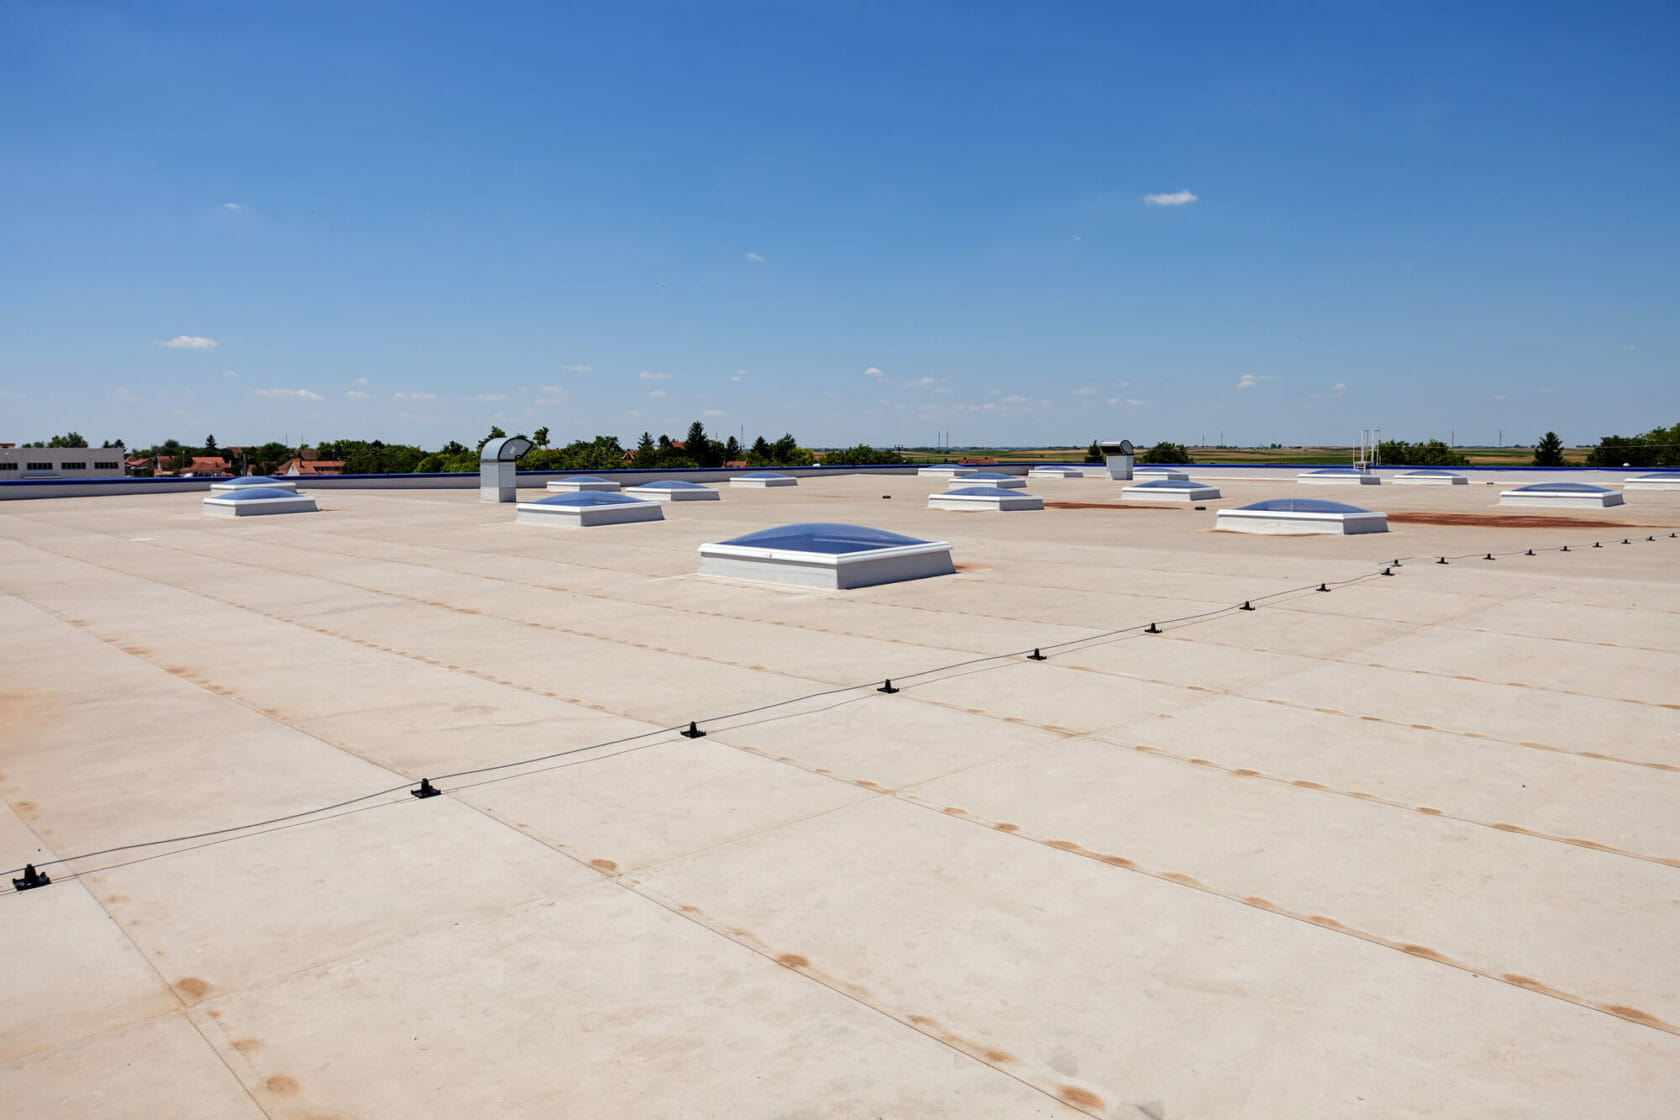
(498, 463)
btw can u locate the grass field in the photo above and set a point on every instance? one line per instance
(1311, 456)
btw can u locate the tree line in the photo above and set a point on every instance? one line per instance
(696, 449)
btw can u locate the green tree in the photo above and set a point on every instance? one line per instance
(1166, 452)
(862, 455)
(1549, 451)
(1094, 453)
(68, 439)
(731, 450)
(210, 444)
(495, 433)
(540, 436)
(1659, 447)
(1434, 453)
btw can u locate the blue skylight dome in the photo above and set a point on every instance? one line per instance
(581, 478)
(1661, 474)
(1433, 473)
(763, 474)
(1565, 488)
(249, 480)
(1304, 505)
(257, 493)
(1060, 468)
(585, 498)
(1336, 470)
(985, 476)
(827, 537)
(1168, 484)
(669, 484)
(984, 492)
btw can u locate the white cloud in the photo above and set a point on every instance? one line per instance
(1500, 397)
(1015, 400)
(1176, 198)
(577, 369)
(486, 398)
(1132, 402)
(653, 375)
(922, 383)
(657, 393)
(1250, 380)
(873, 372)
(754, 257)
(550, 395)
(287, 394)
(190, 342)
(230, 373)
(125, 396)
(358, 395)
(1087, 391)
(739, 374)
(361, 381)
(713, 413)
(230, 206)
(415, 398)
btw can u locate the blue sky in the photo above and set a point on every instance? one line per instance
(855, 222)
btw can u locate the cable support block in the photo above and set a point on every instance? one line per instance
(1247, 606)
(693, 731)
(1489, 556)
(887, 687)
(1530, 552)
(1035, 655)
(1442, 560)
(1323, 587)
(1153, 629)
(426, 789)
(31, 879)
(1388, 571)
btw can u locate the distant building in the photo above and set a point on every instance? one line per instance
(202, 465)
(61, 462)
(308, 464)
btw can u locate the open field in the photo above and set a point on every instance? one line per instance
(1308, 456)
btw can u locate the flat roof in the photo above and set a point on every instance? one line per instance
(1409, 846)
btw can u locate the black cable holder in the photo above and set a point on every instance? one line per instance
(888, 687)
(1247, 606)
(1035, 655)
(31, 879)
(693, 731)
(425, 789)
(1153, 629)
